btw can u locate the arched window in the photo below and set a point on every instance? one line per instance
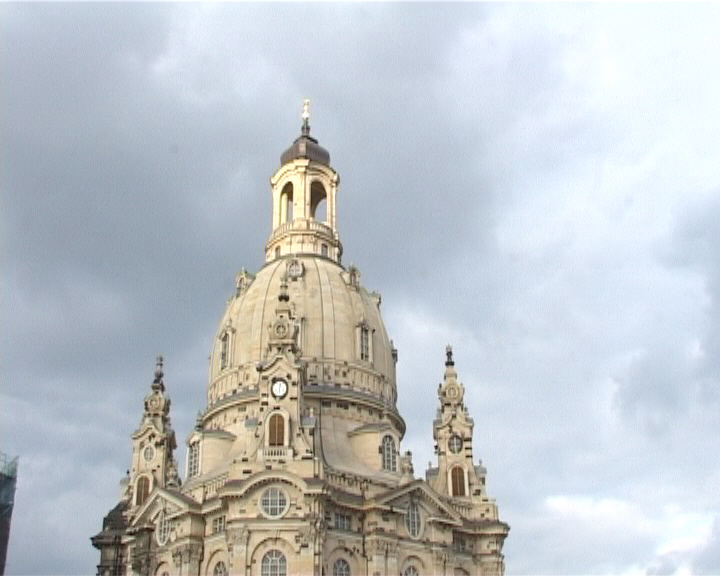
(341, 567)
(274, 564)
(286, 204)
(193, 461)
(276, 430)
(318, 203)
(411, 571)
(220, 569)
(364, 343)
(277, 251)
(457, 481)
(224, 349)
(388, 454)
(142, 490)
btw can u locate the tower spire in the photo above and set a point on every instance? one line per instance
(158, 380)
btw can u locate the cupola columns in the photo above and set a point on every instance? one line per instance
(304, 192)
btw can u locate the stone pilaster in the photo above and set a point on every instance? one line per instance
(187, 558)
(237, 543)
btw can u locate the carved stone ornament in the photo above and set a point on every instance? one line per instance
(187, 553)
(382, 548)
(406, 465)
(440, 557)
(305, 536)
(172, 478)
(237, 538)
(177, 557)
(243, 281)
(295, 269)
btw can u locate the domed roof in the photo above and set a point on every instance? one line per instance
(305, 146)
(331, 309)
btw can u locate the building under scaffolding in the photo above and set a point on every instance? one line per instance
(8, 478)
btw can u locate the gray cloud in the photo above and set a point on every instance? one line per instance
(537, 185)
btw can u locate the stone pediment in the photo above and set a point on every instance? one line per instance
(147, 426)
(450, 418)
(418, 491)
(171, 502)
(279, 363)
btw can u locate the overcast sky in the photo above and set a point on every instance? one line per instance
(537, 185)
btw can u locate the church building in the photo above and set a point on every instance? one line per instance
(295, 466)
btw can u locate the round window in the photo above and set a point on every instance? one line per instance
(455, 444)
(163, 529)
(412, 520)
(149, 453)
(274, 502)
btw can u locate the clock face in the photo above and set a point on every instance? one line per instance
(455, 444)
(149, 453)
(279, 388)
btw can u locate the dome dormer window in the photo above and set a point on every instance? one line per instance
(224, 346)
(364, 342)
(224, 354)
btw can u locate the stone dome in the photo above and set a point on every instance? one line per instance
(343, 361)
(333, 314)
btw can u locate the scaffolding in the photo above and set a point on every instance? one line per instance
(8, 479)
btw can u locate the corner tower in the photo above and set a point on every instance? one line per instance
(304, 192)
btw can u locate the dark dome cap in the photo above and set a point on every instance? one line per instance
(305, 146)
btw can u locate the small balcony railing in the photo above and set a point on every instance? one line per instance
(277, 453)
